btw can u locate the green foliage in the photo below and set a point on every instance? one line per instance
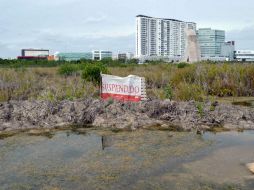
(168, 92)
(110, 102)
(158, 62)
(15, 63)
(186, 92)
(182, 65)
(107, 61)
(200, 107)
(91, 72)
(47, 79)
(212, 108)
(67, 69)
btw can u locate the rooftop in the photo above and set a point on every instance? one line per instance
(32, 49)
(144, 16)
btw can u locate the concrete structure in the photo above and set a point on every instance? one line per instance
(168, 59)
(210, 42)
(32, 58)
(192, 49)
(122, 56)
(100, 54)
(34, 53)
(51, 58)
(228, 50)
(244, 55)
(73, 56)
(215, 59)
(130, 55)
(159, 37)
(125, 56)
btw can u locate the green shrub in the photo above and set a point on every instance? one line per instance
(182, 65)
(200, 107)
(186, 92)
(168, 92)
(92, 72)
(67, 69)
(212, 108)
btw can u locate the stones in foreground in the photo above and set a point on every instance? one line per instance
(250, 166)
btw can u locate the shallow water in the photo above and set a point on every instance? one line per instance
(127, 160)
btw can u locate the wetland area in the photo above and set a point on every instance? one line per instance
(143, 159)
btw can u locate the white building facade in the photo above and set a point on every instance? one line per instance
(101, 54)
(228, 50)
(158, 37)
(244, 55)
(34, 52)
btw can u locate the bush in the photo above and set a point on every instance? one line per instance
(186, 92)
(182, 65)
(92, 72)
(67, 69)
(168, 92)
(200, 107)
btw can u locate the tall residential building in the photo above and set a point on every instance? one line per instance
(161, 37)
(210, 42)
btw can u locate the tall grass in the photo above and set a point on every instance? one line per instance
(185, 82)
(42, 83)
(196, 81)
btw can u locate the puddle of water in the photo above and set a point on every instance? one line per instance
(127, 160)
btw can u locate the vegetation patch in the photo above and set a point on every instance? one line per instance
(25, 80)
(217, 129)
(7, 134)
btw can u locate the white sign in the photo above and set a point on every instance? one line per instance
(121, 88)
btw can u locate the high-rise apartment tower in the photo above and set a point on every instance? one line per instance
(161, 37)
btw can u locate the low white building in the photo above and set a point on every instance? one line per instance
(215, 58)
(101, 54)
(125, 56)
(244, 55)
(130, 55)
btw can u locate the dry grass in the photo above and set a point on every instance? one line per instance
(191, 82)
(42, 83)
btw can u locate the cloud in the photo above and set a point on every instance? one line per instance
(6, 51)
(77, 25)
(70, 43)
(244, 38)
(95, 19)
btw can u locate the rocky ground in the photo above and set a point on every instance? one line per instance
(19, 115)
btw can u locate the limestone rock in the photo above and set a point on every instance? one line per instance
(43, 114)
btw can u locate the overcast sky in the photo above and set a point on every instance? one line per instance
(84, 25)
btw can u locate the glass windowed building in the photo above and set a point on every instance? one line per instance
(73, 56)
(99, 55)
(210, 42)
(228, 50)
